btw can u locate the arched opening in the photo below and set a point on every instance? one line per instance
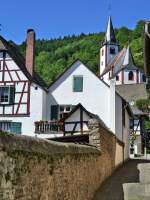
(131, 76)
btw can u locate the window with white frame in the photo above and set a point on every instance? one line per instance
(7, 94)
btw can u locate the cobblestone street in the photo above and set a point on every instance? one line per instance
(112, 188)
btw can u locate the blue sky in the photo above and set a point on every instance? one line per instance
(54, 18)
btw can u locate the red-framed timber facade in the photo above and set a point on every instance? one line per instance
(11, 75)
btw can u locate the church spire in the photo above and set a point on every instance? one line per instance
(110, 34)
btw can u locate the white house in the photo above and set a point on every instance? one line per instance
(78, 84)
(116, 63)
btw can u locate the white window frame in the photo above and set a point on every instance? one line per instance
(8, 102)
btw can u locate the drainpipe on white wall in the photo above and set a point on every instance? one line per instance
(112, 105)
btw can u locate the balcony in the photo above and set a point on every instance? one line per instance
(48, 127)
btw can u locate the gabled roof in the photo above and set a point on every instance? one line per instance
(20, 61)
(91, 115)
(110, 34)
(123, 60)
(77, 60)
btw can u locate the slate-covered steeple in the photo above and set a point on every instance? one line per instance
(109, 48)
(110, 34)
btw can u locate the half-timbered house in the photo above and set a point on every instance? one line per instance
(22, 92)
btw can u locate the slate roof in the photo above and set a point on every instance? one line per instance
(131, 93)
(110, 34)
(20, 61)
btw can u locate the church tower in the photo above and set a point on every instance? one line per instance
(109, 47)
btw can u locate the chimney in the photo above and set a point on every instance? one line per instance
(30, 51)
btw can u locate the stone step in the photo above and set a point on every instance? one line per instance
(136, 191)
(144, 176)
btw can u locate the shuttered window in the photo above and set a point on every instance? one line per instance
(78, 83)
(54, 112)
(15, 127)
(7, 94)
(12, 95)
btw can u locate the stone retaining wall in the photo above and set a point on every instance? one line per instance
(34, 169)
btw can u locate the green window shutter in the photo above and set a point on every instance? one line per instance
(15, 127)
(54, 112)
(12, 95)
(78, 83)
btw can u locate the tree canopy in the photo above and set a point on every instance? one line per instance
(55, 55)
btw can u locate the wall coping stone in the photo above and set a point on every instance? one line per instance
(11, 142)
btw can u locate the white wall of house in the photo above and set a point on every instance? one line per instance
(95, 95)
(118, 116)
(126, 135)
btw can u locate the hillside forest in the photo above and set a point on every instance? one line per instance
(53, 56)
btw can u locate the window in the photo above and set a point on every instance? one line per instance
(117, 78)
(15, 127)
(54, 112)
(60, 111)
(7, 94)
(143, 78)
(78, 83)
(11, 127)
(112, 50)
(102, 63)
(102, 52)
(131, 76)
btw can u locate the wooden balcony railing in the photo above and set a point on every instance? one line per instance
(47, 127)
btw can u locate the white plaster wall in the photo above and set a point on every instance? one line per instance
(126, 135)
(118, 118)
(35, 112)
(107, 57)
(95, 96)
(106, 78)
(102, 59)
(111, 56)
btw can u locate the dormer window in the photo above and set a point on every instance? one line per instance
(131, 76)
(7, 95)
(112, 50)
